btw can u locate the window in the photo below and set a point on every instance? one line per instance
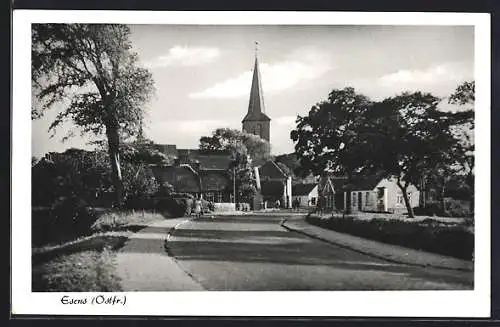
(209, 196)
(258, 130)
(367, 197)
(313, 201)
(399, 199)
(380, 192)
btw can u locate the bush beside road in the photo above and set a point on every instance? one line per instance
(435, 236)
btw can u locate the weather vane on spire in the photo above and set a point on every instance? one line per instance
(256, 48)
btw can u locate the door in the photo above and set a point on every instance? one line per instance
(360, 199)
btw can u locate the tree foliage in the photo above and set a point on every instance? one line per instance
(463, 130)
(247, 150)
(465, 94)
(73, 173)
(328, 137)
(233, 140)
(92, 73)
(143, 153)
(401, 137)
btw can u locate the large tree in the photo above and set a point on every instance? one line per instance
(328, 138)
(247, 151)
(92, 73)
(463, 130)
(234, 140)
(400, 137)
(411, 137)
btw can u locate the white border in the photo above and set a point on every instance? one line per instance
(373, 303)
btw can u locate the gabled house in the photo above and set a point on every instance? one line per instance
(372, 193)
(305, 195)
(273, 185)
(197, 172)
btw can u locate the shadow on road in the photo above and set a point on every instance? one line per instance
(275, 246)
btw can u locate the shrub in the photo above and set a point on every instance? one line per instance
(139, 185)
(71, 173)
(457, 208)
(68, 218)
(433, 209)
(175, 207)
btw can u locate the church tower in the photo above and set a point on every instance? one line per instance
(256, 121)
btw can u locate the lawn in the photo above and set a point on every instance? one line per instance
(87, 263)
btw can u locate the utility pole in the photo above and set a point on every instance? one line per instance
(234, 186)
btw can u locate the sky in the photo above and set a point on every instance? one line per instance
(203, 74)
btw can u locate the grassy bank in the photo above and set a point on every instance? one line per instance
(87, 263)
(450, 239)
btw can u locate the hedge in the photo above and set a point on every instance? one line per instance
(430, 236)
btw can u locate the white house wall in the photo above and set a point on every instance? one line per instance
(307, 199)
(368, 200)
(393, 191)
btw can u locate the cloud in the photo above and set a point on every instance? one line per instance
(285, 120)
(190, 126)
(187, 132)
(185, 56)
(436, 74)
(439, 79)
(277, 76)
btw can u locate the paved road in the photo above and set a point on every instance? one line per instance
(256, 253)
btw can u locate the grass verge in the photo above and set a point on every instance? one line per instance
(87, 264)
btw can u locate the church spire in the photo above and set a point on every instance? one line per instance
(256, 108)
(256, 121)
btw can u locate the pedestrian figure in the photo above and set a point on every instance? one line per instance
(197, 207)
(319, 206)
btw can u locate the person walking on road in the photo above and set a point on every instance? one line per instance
(197, 207)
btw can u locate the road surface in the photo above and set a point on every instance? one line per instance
(248, 253)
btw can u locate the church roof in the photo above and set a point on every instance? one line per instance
(256, 107)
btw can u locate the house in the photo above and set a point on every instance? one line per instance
(197, 172)
(373, 193)
(305, 195)
(207, 173)
(273, 185)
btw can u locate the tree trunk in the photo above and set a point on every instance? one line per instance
(348, 204)
(407, 201)
(470, 183)
(347, 193)
(423, 193)
(114, 156)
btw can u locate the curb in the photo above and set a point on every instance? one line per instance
(171, 256)
(371, 254)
